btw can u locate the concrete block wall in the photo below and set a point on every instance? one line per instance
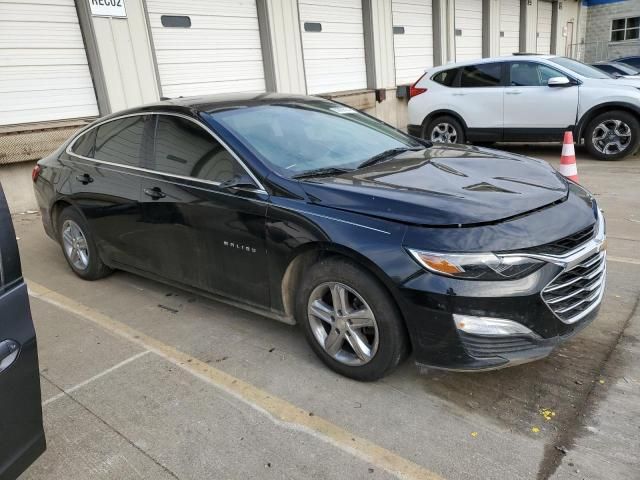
(597, 40)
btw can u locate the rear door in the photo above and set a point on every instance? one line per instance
(478, 97)
(532, 109)
(21, 433)
(105, 185)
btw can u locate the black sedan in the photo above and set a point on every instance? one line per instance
(617, 69)
(310, 212)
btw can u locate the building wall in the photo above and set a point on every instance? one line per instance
(597, 45)
(123, 62)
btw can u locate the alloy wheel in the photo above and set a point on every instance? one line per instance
(343, 324)
(444, 133)
(611, 137)
(75, 245)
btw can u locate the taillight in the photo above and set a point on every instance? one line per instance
(413, 90)
(35, 173)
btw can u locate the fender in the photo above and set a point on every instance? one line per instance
(444, 111)
(589, 114)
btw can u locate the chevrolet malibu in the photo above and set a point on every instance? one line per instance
(307, 211)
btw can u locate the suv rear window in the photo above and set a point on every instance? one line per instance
(483, 75)
(446, 77)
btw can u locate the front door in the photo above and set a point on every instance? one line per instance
(200, 232)
(105, 185)
(531, 105)
(21, 433)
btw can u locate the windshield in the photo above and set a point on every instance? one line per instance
(294, 138)
(625, 69)
(579, 67)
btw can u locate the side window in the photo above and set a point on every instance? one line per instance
(547, 72)
(524, 74)
(85, 144)
(529, 74)
(446, 78)
(184, 148)
(483, 75)
(121, 141)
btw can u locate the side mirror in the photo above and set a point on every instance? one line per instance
(559, 82)
(239, 182)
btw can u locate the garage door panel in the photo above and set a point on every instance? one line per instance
(509, 26)
(43, 78)
(334, 57)
(222, 44)
(319, 13)
(12, 57)
(217, 23)
(543, 34)
(205, 72)
(468, 21)
(18, 12)
(207, 88)
(222, 8)
(413, 49)
(44, 73)
(202, 56)
(39, 35)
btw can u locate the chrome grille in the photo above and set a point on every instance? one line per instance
(577, 291)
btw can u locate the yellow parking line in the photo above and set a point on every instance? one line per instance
(276, 408)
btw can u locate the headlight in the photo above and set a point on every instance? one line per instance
(476, 266)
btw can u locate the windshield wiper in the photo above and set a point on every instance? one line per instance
(392, 152)
(318, 172)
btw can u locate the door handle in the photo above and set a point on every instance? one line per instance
(85, 179)
(513, 92)
(459, 94)
(154, 193)
(8, 353)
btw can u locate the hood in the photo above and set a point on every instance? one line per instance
(438, 186)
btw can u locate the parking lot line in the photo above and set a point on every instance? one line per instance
(632, 261)
(67, 391)
(278, 410)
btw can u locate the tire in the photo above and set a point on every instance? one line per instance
(70, 222)
(387, 326)
(454, 132)
(615, 123)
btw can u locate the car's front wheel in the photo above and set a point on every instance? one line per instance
(79, 247)
(612, 135)
(445, 129)
(350, 320)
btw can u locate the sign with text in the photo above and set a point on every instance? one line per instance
(107, 8)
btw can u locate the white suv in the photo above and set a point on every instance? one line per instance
(527, 98)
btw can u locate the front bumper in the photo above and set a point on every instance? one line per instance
(415, 130)
(554, 303)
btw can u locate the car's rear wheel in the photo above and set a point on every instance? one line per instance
(612, 135)
(350, 320)
(444, 129)
(79, 247)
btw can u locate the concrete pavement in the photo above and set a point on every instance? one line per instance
(163, 405)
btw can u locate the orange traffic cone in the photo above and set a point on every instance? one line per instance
(568, 166)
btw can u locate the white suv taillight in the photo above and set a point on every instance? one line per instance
(414, 91)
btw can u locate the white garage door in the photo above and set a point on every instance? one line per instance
(468, 24)
(44, 73)
(206, 46)
(543, 40)
(509, 26)
(333, 45)
(412, 38)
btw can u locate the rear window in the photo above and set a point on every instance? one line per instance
(483, 75)
(446, 78)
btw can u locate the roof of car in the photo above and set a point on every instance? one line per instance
(504, 58)
(210, 103)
